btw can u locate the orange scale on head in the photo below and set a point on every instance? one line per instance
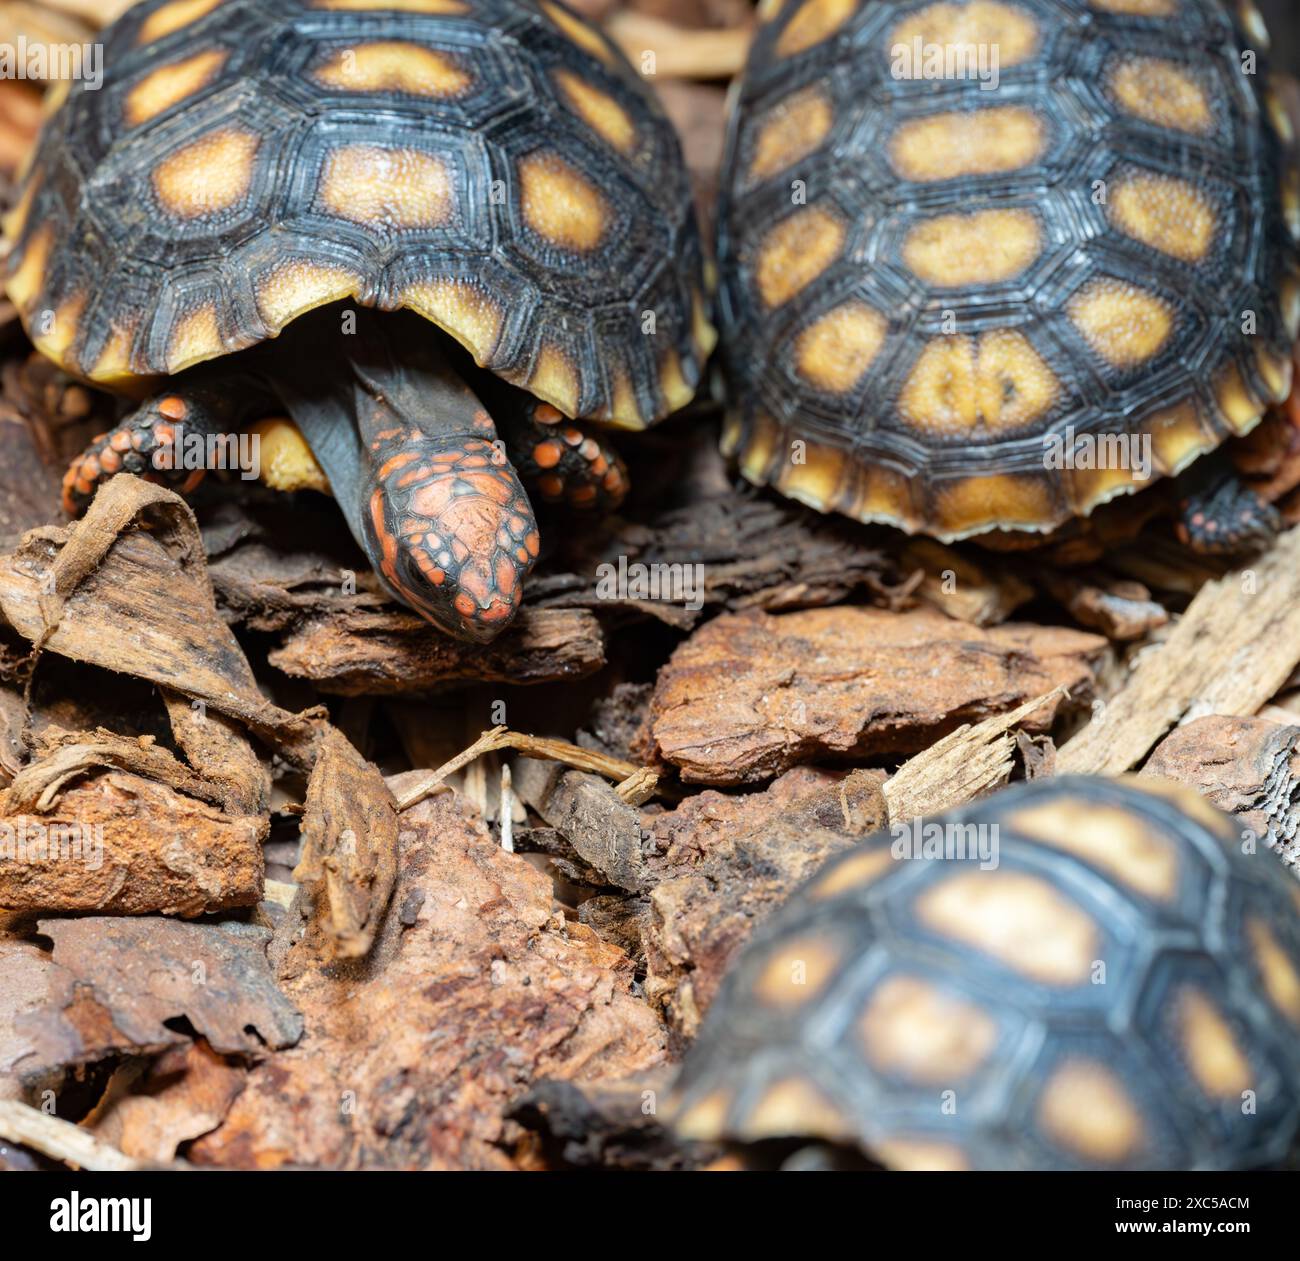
(522, 555)
(389, 467)
(464, 605)
(506, 577)
(386, 540)
(533, 543)
(432, 499)
(495, 487)
(90, 467)
(414, 475)
(515, 524)
(613, 480)
(137, 440)
(498, 611)
(590, 449)
(459, 551)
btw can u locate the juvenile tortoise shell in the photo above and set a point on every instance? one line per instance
(531, 199)
(1120, 990)
(922, 280)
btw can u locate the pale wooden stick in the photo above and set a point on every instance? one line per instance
(530, 746)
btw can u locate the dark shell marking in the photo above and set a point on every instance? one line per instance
(964, 273)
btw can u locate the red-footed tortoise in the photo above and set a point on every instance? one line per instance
(490, 182)
(988, 264)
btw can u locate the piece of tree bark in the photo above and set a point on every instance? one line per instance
(1248, 767)
(962, 766)
(603, 828)
(151, 1107)
(349, 853)
(120, 844)
(117, 986)
(722, 863)
(850, 683)
(387, 652)
(60, 1140)
(1121, 609)
(110, 592)
(751, 552)
(1232, 650)
(956, 584)
(417, 1053)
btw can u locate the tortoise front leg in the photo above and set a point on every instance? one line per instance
(559, 461)
(1218, 514)
(174, 439)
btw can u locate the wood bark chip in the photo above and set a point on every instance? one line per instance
(121, 844)
(94, 996)
(1230, 652)
(387, 652)
(349, 835)
(722, 863)
(962, 766)
(603, 828)
(126, 588)
(61, 1140)
(416, 1054)
(1248, 767)
(150, 1108)
(753, 553)
(963, 588)
(850, 683)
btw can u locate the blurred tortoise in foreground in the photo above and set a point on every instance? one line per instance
(1121, 990)
(496, 169)
(956, 311)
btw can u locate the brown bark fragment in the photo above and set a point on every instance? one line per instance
(101, 999)
(386, 652)
(1231, 651)
(109, 592)
(1120, 608)
(726, 862)
(415, 1054)
(603, 828)
(151, 1108)
(349, 850)
(124, 845)
(959, 586)
(749, 695)
(957, 769)
(1248, 767)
